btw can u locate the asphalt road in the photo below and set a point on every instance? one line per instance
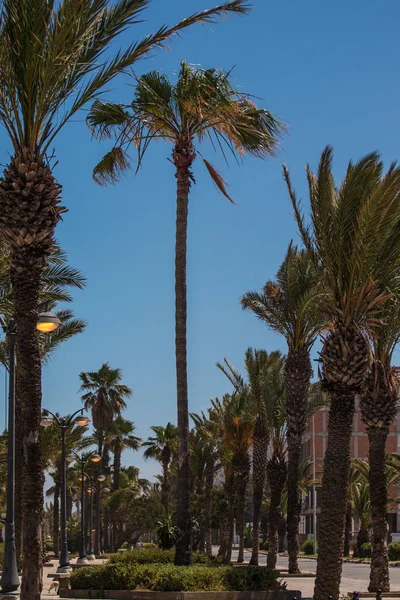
(355, 577)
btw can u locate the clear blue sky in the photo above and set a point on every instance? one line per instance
(330, 70)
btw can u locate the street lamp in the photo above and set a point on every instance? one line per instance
(91, 491)
(63, 424)
(9, 578)
(82, 461)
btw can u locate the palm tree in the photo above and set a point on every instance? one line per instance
(52, 64)
(120, 436)
(378, 405)
(205, 427)
(353, 238)
(290, 306)
(105, 395)
(162, 447)
(203, 103)
(56, 282)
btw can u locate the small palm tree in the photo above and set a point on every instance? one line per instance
(52, 60)
(120, 436)
(163, 446)
(202, 104)
(354, 240)
(290, 306)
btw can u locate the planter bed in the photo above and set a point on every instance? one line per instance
(138, 595)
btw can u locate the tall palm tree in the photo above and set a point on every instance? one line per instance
(105, 396)
(120, 436)
(52, 60)
(56, 281)
(290, 306)
(203, 103)
(163, 446)
(354, 239)
(378, 405)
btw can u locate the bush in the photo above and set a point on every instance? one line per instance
(49, 545)
(166, 533)
(308, 547)
(124, 546)
(394, 551)
(149, 545)
(365, 550)
(169, 578)
(149, 555)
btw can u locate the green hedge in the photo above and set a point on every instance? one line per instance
(169, 578)
(394, 551)
(308, 547)
(150, 555)
(366, 550)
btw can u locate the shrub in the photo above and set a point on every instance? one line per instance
(156, 555)
(168, 578)
(149, 545)
(308, 547)
(166, 533)
(124, 546)
(49, 545)
(394, 551)
(365, 550)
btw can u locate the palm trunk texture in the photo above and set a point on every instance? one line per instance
(379, 574)
(276, 472)
(26, 283)
(19, 477)
(208, 506)
(260, 455)
(241, 502)
(165, 486)
(298, 373)
(56, 519)
(117, 467)
(182, 157)
(334, 495)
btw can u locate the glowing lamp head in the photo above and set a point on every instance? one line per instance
(95, 458)
(81, 420)
(46, 421)
(47, 322)
(101, 477)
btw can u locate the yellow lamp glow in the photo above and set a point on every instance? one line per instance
(47, 322)
(101, 477)
(95, 458)
(81, 420)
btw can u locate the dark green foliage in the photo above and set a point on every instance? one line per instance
(49, 545)
(167, 534)
(308, 547)
(158, 556)
(365, 550)
(74, 534)
(149, 545)
(167, 578)
(394, 551)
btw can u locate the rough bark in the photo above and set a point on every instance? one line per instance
(26, 272)
(379, 573)
(260, 455)
(117, 467)
(334, 495)
(298, 373)
(276, 472)
(183, 156)
(293, 517)
(347, 531)
(241, 501)
(56, 518)
(208, 506)
(165, 484)
(19, 474)
(281, 534)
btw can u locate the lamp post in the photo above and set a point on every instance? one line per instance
(47, 322)
(63, 424)
(91, 490)
(82, 461)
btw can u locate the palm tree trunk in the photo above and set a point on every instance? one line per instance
(183, 157)
(260, 454)
(276, 473)
(281, 534)
(97, 537)
(241, 501)
(294, 452)
(165, 487)
(362, 538)
(25, 276)
(208, 506)
(298, 373)
(19, 477)
(347, 531)
(56, 518)
(379, 574)
(117, 467)
(335, 483)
